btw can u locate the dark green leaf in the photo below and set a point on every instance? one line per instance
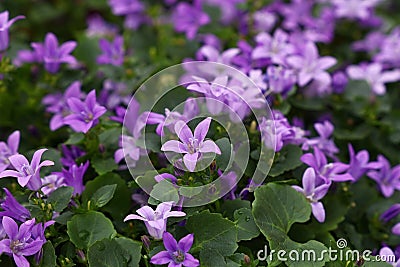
(61, 197)
(103, 195)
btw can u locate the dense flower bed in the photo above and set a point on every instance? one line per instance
(200, 133)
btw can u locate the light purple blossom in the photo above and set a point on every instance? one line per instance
(314, 189)
(125, 7)
(74, 177)
(275, 48)
(312, 67)
(20, 242)
(324, 141)
(114, 93)
(84, 114)
(191, 145)
(228, 9)
(52, 54)
(359, 163)
(388, 179)
(57, 104)
(354, 9)
(52, 182)
(12, 208)
(155, 220)
(177, 253)
(113, 52)
(336, 172)
(5, 25)
(388, 254)
(375, 76)
(189, 18)
(371, 43)
(8, 149)
(28, 174)
(389, 48)
(211, 53)
(97, 26)
(280, 80)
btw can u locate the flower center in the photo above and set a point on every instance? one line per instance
(87, 116)
(193, 145)
(27, 170)
(16, 246)
(178, 256)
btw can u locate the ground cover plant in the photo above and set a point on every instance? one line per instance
(199, 133)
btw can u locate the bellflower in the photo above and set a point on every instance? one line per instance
(113, 52)
(5, 24)
(310, 66)
(74, 177)
(388, 254)
(97, 26)
(354, 9)
(70, 155)
(280, 80)
(314, 190)
(189, 18)
(193, 146)
(276, 47)
(52, 182)
(359, 164)
(389, 49)
(328, 171)
(13, 209)
(155, 220)
(388, 179)
(53, 55)
(20, 242)
(211, 53)
(324, 141)
(27, 174)
(84, 114)
(390, 213)
(114, 93)
(177, 253)
(8, 149)
(57, 104)
(374, 75)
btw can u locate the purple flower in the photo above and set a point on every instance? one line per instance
(8, 149)
(57, 104)
(125, 7)
(84, 114)
(389, 214)
(280, 80)
(5, 24)
(387, 254)
(27, 174)
(189, 18)
(20, 242)
(115, 93)
(374, 75)
(314, 189)
(339, 82)
(74, 177)
(70, 155)
(13, 209)
(113, 52)
(354, 9)
(155, 220)
(327, 171)
(276, 47)
(53, 55)
(52, 182)
(388, 179)
(97, 26)
(177, 253)
(372, 42)
(310, 66)
(389, 48)
(211, 53)
(323, 142)
(193, 146)
(359, 164)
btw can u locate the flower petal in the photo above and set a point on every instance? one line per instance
(146, 212)
(183, 131)
(190, 161)
(36, 158)
(209, 146)
(169, 242)
(134, 217)
(13, 141)
(174, 146)
(202, 129)
(10, 227)
(160, 258)
(318, 211)
(18, 161)
(186, 243)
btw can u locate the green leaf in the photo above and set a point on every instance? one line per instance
(276, 208)
(103, 166)
(106, 253)
(61, 197)
(75, 139)
(120, 204)
(247, 228)
(103, 195)
(215, 237)
(229, 207)
(226, 151)
(87, 228)
(49, 255)
(165, 191)
(132, 250)
(288, 159)
(357, 89)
